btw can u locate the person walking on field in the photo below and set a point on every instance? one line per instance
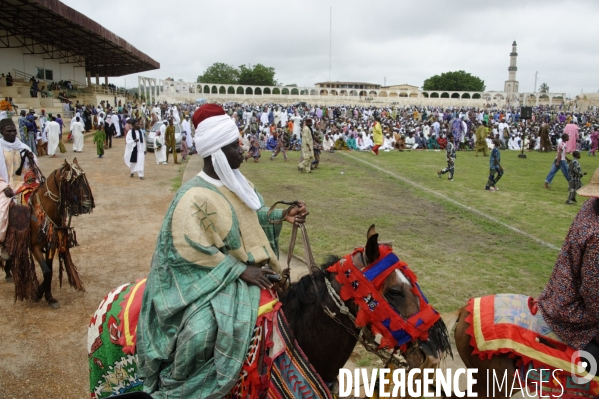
(77, 129)
(377, 135)
(481, 139)
(280, 146)
(494, 167)
(171, 142)
(451, 156)
(545, 142)
(575, 175)
(307, 148)
(160, 149)
(99, 139)
(135, 150)
(560, 163)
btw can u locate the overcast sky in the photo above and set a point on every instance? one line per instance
(402, 41)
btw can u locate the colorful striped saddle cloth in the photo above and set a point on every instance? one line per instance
(511, 324)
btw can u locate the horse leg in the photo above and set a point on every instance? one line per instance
(45, 288)
(8, 271)
(53, 303)
(499, 365)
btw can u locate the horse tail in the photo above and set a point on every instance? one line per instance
(451, 319)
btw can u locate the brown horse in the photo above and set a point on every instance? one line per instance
(327, 339)
(64, 194)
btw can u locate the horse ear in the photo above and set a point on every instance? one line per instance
(75, 161)
(372, 248)
(371, 231)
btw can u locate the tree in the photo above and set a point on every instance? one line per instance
(544, 88)
(220, 73)
(454, 81)
(259, 75)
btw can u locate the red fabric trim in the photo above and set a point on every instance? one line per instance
(373, 308)
(492, 331)
(134, 311)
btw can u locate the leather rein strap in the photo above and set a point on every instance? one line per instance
(309, 257)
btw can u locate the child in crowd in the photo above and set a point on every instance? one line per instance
(451, 155)
(99, 139)
(494, 167)
(184, 147)
(575, 174)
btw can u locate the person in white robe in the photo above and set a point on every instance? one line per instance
(297, 122)
(277, 116)
(116, 124)
(160, 149)
(53, 134)
(135, 151)
(186, 127)
(77, 129)
(264, 117)
(175, 113)
(513, 143)
(327, 143)
(156, 112)
(284, 118)
(388, 142)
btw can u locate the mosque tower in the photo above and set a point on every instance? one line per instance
(511, 85)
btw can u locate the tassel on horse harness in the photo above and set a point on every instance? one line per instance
(364, 337)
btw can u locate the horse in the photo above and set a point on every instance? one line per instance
(64, 194)
(323, 325)
(500, 364)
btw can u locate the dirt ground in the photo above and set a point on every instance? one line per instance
(43, 351)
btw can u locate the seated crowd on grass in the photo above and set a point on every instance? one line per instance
(414, 128)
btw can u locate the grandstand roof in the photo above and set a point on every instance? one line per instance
(51, 27)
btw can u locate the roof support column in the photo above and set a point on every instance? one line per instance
(97, 79)
(89, 77)
(106, 81)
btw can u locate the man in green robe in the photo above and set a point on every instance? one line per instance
(481, 139)
(202, 294)
(99, 139)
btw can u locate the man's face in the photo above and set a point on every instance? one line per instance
(234, 154)
(9, 133)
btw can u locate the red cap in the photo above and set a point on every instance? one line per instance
(206, 111)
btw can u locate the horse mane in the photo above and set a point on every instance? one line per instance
(301, 300)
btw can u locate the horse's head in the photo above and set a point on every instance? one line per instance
(76, 194)
(406, 321)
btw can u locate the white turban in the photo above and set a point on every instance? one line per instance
(212, 134)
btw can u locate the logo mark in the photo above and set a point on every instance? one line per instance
(583, 367)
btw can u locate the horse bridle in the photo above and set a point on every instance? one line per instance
(365, 337)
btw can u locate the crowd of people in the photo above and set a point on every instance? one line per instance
(281, 128)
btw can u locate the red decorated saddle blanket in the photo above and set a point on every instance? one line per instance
(511, 324)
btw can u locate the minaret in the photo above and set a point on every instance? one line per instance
(511, 85)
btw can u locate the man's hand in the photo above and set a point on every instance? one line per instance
(9, 192)
(257, 276)
(30, 155)
(297, 215)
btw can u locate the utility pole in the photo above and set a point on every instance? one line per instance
(385, 84)
(535, 90)
(330, 40)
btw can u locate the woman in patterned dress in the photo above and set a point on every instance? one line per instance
(570, 301)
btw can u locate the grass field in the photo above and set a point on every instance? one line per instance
(456, 253)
